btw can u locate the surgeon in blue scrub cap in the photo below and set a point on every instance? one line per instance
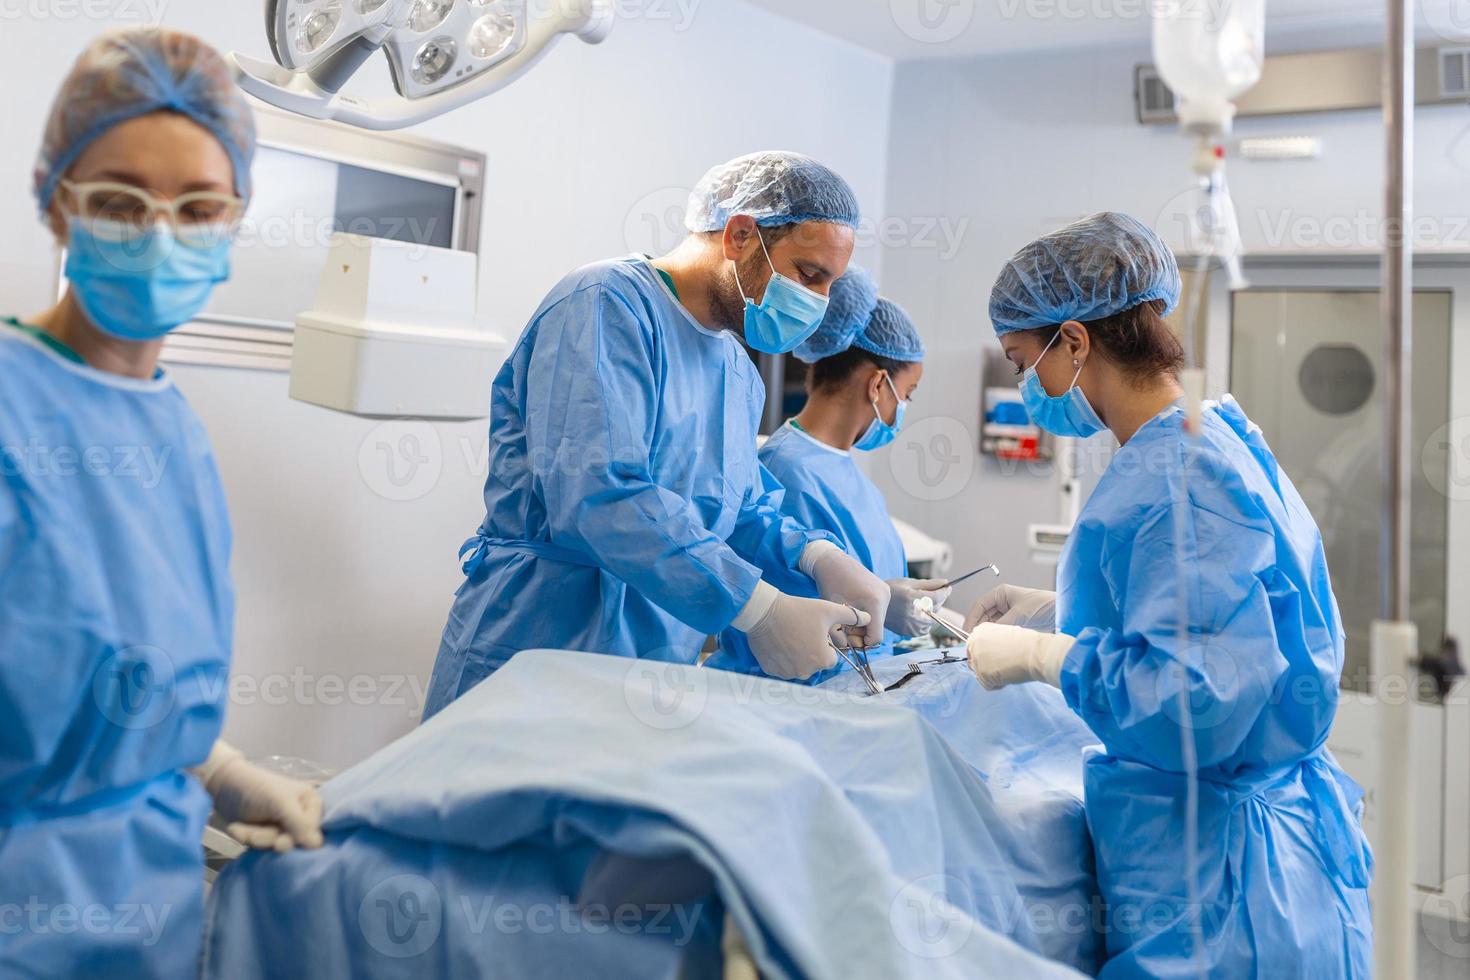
(626, 512)
(1195, 627)
(866, 361)
(116, 605)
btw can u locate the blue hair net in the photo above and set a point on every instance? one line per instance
(1089, 270)
(775, 188)
(129, 73)
(891, 333)
(852, 300)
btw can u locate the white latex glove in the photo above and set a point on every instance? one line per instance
(262, 809)
(903, 618)
(792, 637)
(1011, 605)
(843, 579)
(1004, 655)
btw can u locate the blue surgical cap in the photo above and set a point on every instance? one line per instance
(1089, 270)
(775, 188)
(851, 305)
(129, 73)
(891, 333)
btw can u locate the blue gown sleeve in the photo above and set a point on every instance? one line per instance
(592, 396)
(769, 539)
(1125, 683)
(18, 679)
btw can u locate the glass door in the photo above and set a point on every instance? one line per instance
(1306, 365)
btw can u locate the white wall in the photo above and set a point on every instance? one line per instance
(339, 585)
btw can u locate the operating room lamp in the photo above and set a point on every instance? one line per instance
(442, 54)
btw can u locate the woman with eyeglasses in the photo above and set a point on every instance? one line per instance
(116, 605)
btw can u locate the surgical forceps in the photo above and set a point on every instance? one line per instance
(969, 575)
(946, 659)
(860, 667)
(857, 659)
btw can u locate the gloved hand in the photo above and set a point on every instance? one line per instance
(1011, 605)
(262, 809)
(843, 579)
(1004, 655)
(903, 618)
(793, 640)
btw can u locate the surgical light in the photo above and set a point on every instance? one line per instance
(429, 14)
(433, 60)
(319, 26)
(491, 34)
(442, 54)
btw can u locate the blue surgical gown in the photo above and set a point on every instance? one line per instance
(626, 513)
(824, 489)
(1213, 530)
(115, 617)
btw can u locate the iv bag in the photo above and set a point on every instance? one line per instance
(1208, 52)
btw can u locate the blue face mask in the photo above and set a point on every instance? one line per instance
(139, 287)
(879, 433)
(788, 314)
(1069, 415)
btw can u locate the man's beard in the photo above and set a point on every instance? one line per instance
(726, 304)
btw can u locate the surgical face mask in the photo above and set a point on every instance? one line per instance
(788, 314)
(879, 433)
(139, 287)
(1069, 415)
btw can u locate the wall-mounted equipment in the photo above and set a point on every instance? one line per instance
(392, 334)
(313, 179)
(1318, 81)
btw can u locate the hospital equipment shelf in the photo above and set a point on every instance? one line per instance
(1005, 431)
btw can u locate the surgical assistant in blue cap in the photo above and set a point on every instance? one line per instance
(1195, 630)
(626, 512)
(866, 361)
(116, 604)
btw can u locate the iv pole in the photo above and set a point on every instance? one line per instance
(1394, 636)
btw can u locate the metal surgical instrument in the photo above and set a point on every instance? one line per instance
(873, 686)
(969, 575)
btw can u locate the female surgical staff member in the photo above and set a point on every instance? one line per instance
(1196, 628)
(116, 604)
(866, 360)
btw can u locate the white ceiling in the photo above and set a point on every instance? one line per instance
(925, 29)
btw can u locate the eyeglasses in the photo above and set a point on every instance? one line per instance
(201, 219)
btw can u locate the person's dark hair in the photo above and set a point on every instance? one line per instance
(1137, 340)
(775, 234)
(831, 373)
(769, 235)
